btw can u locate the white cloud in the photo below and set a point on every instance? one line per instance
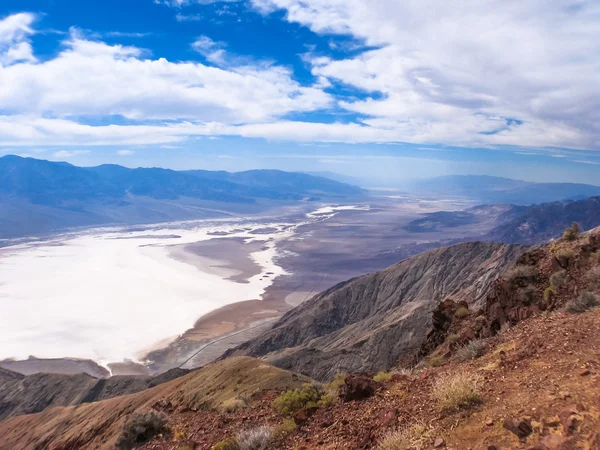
(187, 17)
(449, 71)
(182, 3)
(14, 39)
(125, 152)
(69, 153)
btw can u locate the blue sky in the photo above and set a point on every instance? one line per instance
(388, 91)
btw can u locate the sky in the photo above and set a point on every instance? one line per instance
(385, 90)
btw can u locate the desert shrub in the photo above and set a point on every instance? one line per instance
(527, 295)
(233, 405)
(565, 257)
(572, 232)
(227, 444)
(436, 361)
(382, 377)
(294, 400)
(412, 437)
(257, 438)
(472, 350)
(287, 427)
(141, 427)
(521, 274)
(559, 278)
(592, 277)
(457, 391)
(338, 381)
(461, 312)
(451, 339)
(505, 327)
(584, 302)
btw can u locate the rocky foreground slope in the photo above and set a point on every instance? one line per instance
(374, 321)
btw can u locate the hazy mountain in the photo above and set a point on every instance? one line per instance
(39, 196)
(487, 189)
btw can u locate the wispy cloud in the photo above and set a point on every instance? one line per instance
(69, 153)
(125, 152)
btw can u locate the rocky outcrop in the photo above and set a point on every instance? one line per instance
(21, 394)
(372, 322)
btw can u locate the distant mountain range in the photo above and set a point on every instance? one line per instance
(40, 196)
(487, 189)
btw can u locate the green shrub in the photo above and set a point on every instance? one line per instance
(472, 350)
(572, 233)
(227, 444)
(436, 361)
(522, 274)
(457, 391)
(584, 302)
(461, 312)
(258, 438)
(288, 426)
(338, 381)
(141, 427)
(549, 292)
(294, 400)
(382, 377)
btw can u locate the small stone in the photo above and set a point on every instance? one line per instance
(489, 422)
(439, 443)
(584, 373)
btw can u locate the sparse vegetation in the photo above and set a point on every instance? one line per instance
(458, 391)
(294, 400)
(382, 377)
(233, 405)
(257, 438)
(572, 233)
(596, 257)
(185, 447)
(413, 437)
(522, 274)
(549, 292)
(472, 350)
(227, 444)
(584, 302)
(461, 312)
(451, 339)
(141, 427)
(527, 295)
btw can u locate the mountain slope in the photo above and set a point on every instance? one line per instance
(369, 323)
(487, 189)
(98, 425)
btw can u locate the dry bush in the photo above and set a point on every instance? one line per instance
(592, 278)
(572, 233)
(451, 339)
(141, 427)
(233, 405)
(504, 328)
(527, 295)
(559, 278)
(522, 274)
(565, 257)
(457, 391)
(382, 377)
(258, 438)
(583, 303)
(414, 437)
(461, 312)
(472, 350)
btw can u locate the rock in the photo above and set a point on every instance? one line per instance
(553, 442)
(439, 443)
(584, 373)
(521, 428)
(569, 419)
(492, 447)
(489, 422)
(302, 416)
(358, 387)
